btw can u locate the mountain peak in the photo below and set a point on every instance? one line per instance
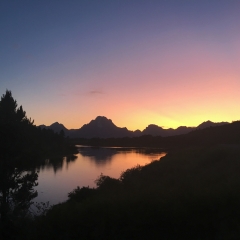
(57, 127)
(56, 123)
(101, 121)
(102, 118)
(153, 126)
(210, 124)
(102, 127)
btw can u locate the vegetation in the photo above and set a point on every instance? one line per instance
(188, 194)
(23, 147)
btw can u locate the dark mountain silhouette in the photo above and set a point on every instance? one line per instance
(102, 127)
(210, 124)
(155, 130)
(57, 127)
(227, 134)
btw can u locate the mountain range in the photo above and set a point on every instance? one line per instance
(102, 127)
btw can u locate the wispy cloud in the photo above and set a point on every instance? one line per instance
(93, 92)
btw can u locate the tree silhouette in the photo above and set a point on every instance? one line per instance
(16, 178)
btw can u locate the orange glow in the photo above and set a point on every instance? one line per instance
(137, 63)
(184, 86)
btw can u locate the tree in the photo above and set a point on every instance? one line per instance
(17, 180)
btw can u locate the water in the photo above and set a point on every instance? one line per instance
(57, 180)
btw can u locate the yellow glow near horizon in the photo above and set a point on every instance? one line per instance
(136, 93)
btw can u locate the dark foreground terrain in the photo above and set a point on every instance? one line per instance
(191, 193)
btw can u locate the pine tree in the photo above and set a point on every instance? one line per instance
(17, 180)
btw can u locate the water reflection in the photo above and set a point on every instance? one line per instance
(100, 156)
(104, 155)
(56, 163)
(59, 176)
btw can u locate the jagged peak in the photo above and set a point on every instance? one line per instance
(205, 124)
(56, 124)
(102, 118)
(210, 123)
(100, 121)
(153, 126)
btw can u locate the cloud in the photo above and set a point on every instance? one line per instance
(95, 92)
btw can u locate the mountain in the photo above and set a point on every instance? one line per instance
(102, 127)
(222, 135)
(210, 124)
(56, 127)
(155, 130)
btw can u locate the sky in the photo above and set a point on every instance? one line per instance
(137, 62)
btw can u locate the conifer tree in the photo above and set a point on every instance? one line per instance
(17, 181)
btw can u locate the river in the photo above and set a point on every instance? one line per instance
(57, 180)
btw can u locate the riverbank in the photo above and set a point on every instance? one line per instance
(190, 194)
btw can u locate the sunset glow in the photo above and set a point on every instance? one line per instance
(169, 63)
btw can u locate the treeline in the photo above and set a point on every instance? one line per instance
(225, 134)
(47, 143)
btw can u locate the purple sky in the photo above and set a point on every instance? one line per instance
(169, 63)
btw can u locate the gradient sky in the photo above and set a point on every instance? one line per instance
(169, 63)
